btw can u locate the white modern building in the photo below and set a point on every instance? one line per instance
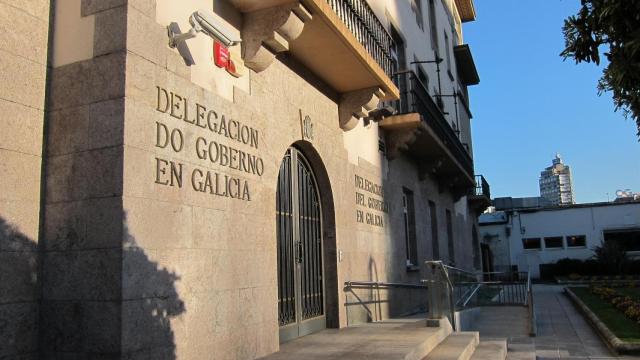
(555, 183)
(528, 237)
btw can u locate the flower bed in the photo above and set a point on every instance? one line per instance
(620, 331)
(629, 306)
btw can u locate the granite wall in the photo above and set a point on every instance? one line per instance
(159, 232)
(23, 72)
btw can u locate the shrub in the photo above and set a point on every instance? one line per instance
(611, 256)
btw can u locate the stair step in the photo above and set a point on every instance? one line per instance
(457, 346)
(491, 350)
(430, 343)
(393, 339)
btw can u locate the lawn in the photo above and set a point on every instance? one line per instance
(624, 328)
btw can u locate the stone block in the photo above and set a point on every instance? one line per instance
(224, 270)
(227, 310)
(19, 279)
(62, 327)
(19, 330)
(68, 130)
(82, 275)
(267, 339)
(200, 320)
(147, 323)
(81, 328)
(89, 81)
(20, 180)
(209, 231)
(101, 326)
(85, 224)
(19, 224)
(36, 8)
(86, 127)
(70, 85)
(107, 80)
(90, 174)
(143, 277)
(191, 267)
(146, 37)
(90, 7)
(173, 231)
(22, 128)
(177, 65)
(140, 176)
(23, 34)
(147, 7)
(110, 30)
(22, 81)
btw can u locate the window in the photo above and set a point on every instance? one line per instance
(475, 243)
(531, 243)
(576, 241)
(452, 253)
(422, 76)
(628, 239)
(435, 243)
(447, 55)
(399, 64)
(433, 28)
(409, 227)
(416, 6)
(554, 242)
(382, 147)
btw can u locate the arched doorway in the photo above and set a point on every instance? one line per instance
(299, 226)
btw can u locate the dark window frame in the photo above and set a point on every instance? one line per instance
(435, 240)
(525, 240)
(433, 26)
(554, 238)
(416, 6)
(450, 239)
(583, 237)
(409, 218)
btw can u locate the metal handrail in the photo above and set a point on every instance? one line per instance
(473, 293)
(482, 187)
(370, 32)
(383, 284)
(415, 98)
(533, 328)
(460, 292)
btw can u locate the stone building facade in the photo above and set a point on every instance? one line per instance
(207, 201)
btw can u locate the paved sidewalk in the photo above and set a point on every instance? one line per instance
(562, 331)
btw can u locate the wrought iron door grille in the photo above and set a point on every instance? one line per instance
(310, 238)
(299, 232)
(284, 228)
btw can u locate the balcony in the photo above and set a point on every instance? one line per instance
(341, 41)
(480, 196)
(421, 131)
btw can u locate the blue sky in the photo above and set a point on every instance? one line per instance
(530, 104)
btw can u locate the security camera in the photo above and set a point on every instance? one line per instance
(208, 23)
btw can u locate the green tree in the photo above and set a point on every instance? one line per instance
(614, 24)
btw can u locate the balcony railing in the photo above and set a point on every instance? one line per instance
(482, 187)
(414, 98)
(367, 29)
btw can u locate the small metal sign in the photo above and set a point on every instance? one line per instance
(306, 126)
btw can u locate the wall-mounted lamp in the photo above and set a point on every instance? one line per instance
(208, 23)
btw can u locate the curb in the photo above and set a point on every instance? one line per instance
(609, 337)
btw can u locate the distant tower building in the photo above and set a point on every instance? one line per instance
(555, 183)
